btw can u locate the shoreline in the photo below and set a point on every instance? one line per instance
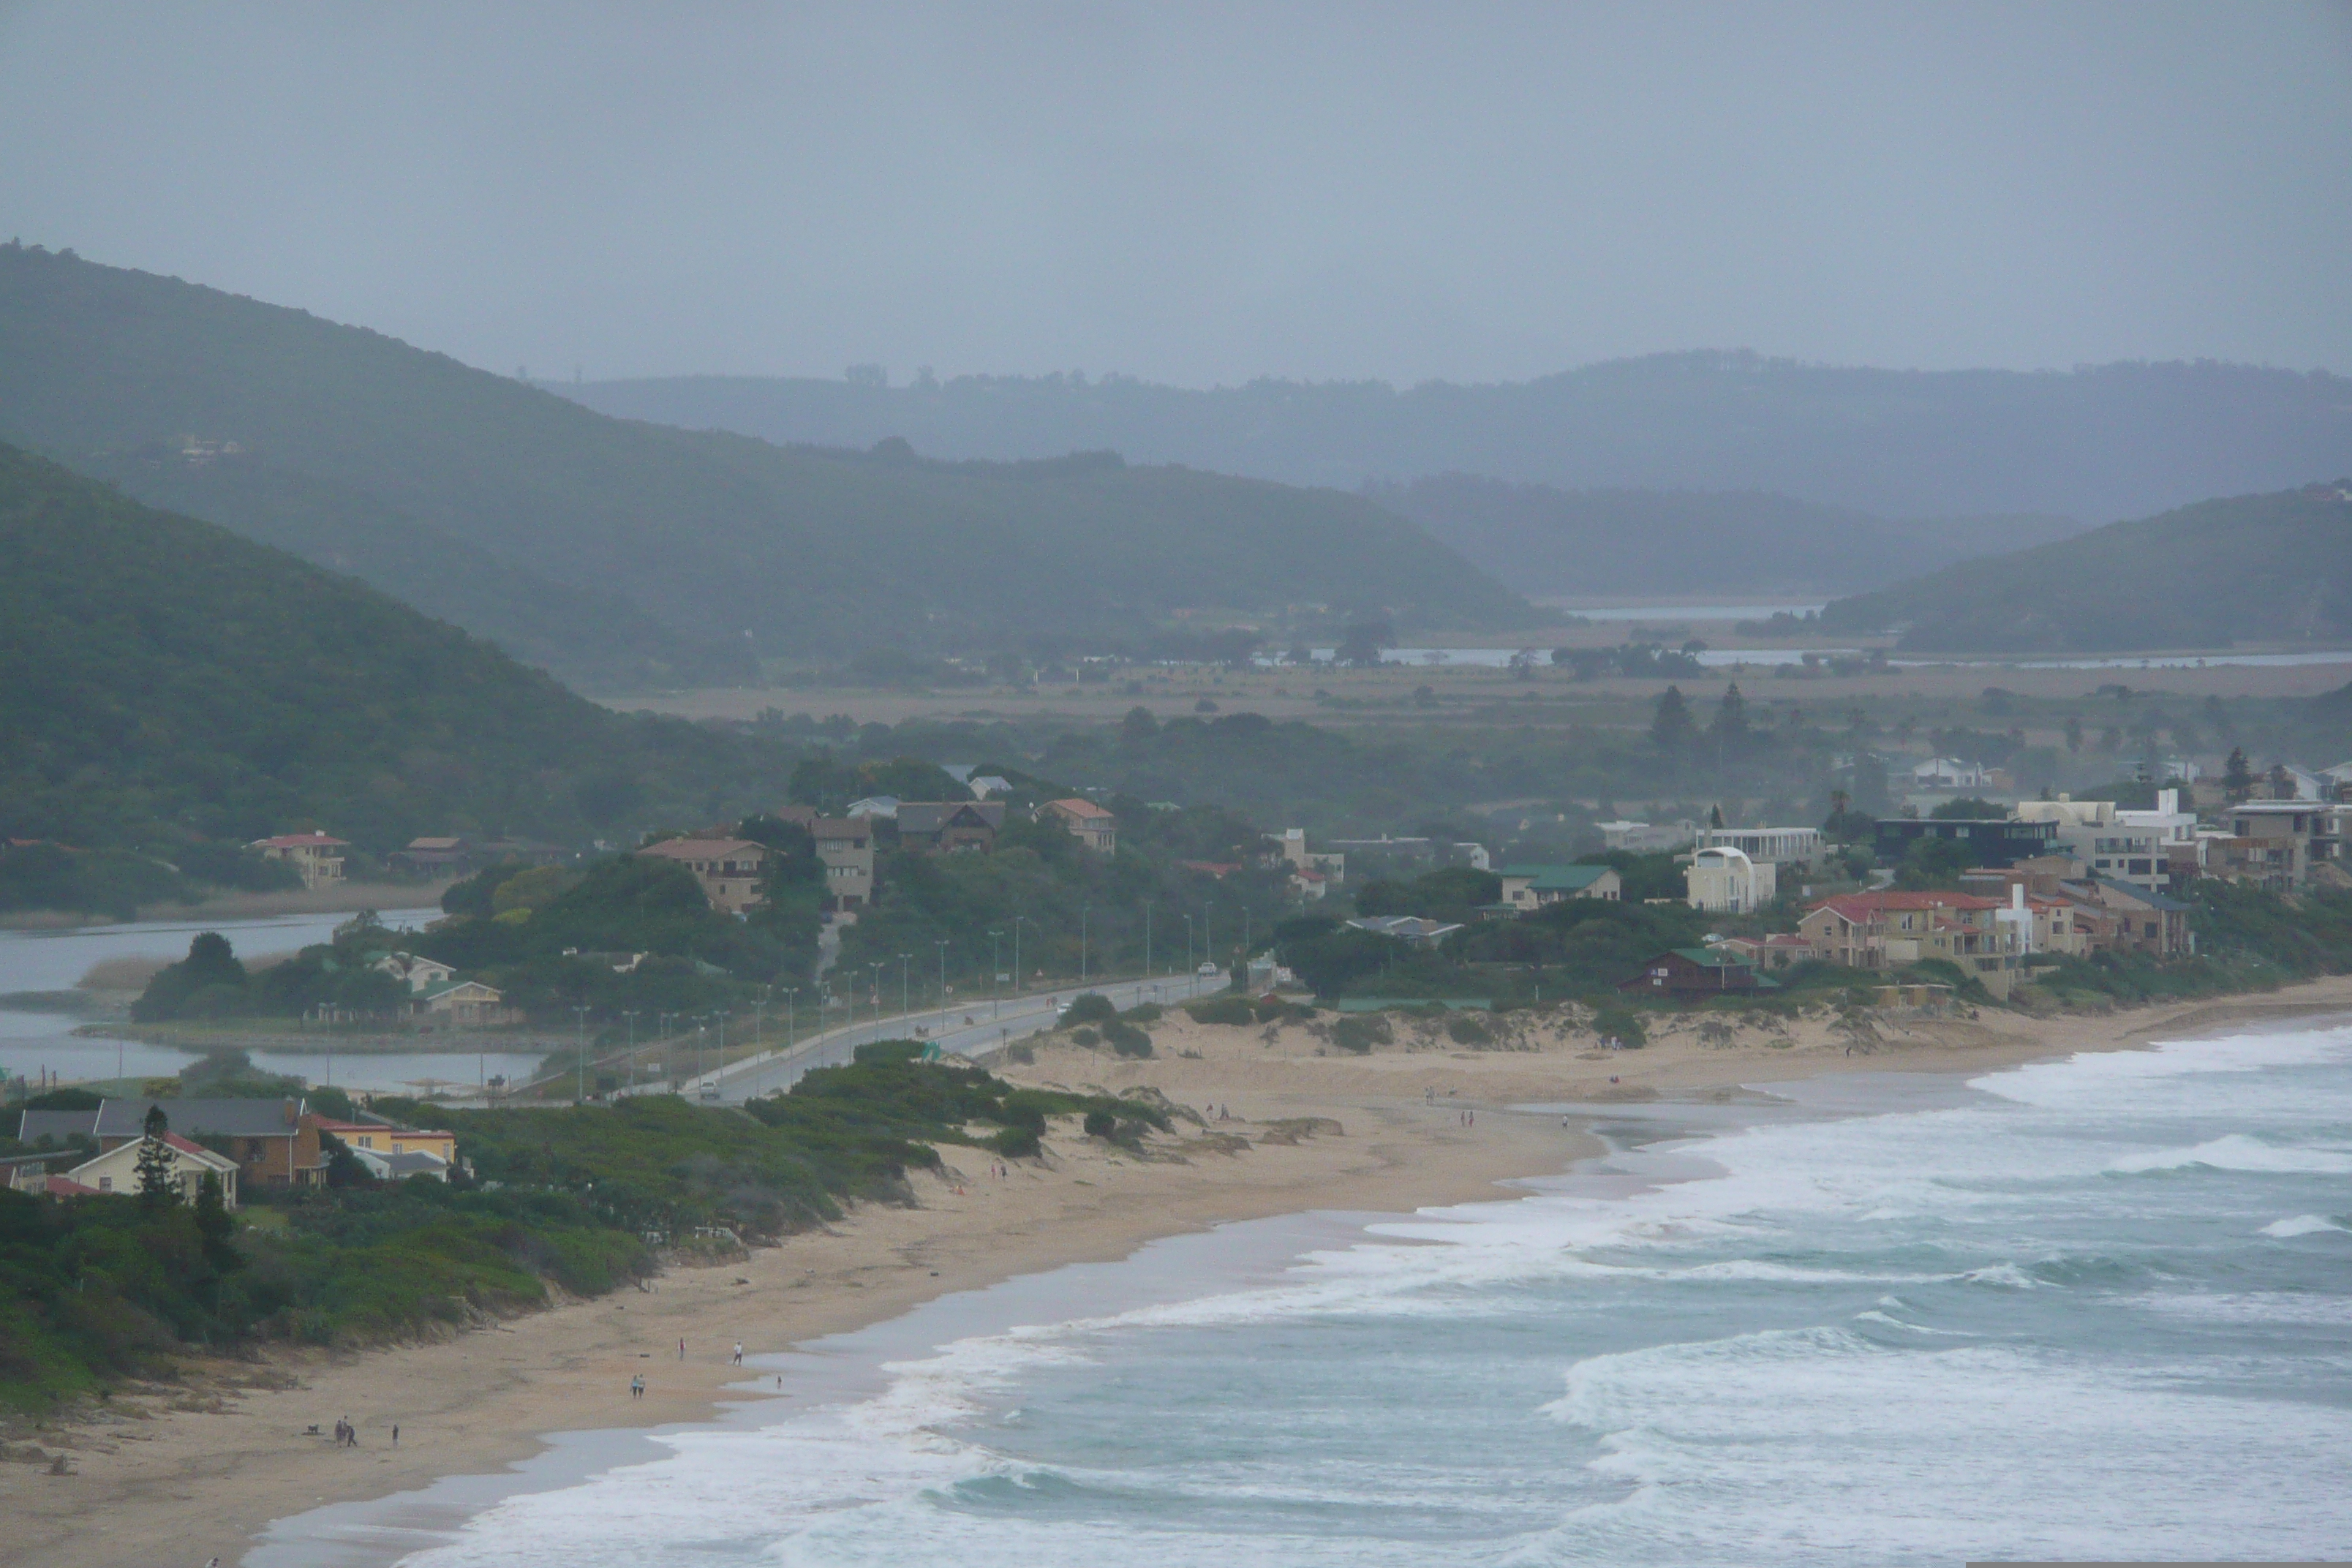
(207, 1465)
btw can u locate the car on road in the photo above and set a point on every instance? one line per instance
(1208, 969)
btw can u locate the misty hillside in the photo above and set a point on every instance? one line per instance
(1547, 541)
(164, 682)
(2107, 442)
(2253, 569)
(618, 553)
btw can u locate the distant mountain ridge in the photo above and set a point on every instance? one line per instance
(1553, 542)
(2098, 443)
(625, 554)
(2272, 568)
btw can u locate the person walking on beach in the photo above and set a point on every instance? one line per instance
(681, 1349)
(395, 1434)
(738, 1360)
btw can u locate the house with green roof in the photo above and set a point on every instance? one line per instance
(1530, 887)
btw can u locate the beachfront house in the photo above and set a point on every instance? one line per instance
(117, 1170)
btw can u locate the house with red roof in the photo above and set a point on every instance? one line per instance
(1887, 929)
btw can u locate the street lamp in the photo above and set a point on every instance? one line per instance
(995, 967)
(903, 1008)
(1188, 944)
(580, 1056)
(1084, 910)
(1146, 936)
(874, 997)
(1018, 921)
(941, 944)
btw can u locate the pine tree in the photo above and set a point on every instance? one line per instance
(1671, 729)
(1730, 726)
(156, 1187)
(2237, 774)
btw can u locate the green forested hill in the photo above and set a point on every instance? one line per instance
(164, 684)
(2265, 568)
(711, 550)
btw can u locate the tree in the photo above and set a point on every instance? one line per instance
(1138, 725)
(2281, 782)
(1671, 729)
(156, 1187)
(1361, 645)
(1729, 729)
(2237, 774)
(2073, 733)
(214, 1225)
(1715, 815)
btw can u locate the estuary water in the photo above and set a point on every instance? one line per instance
(2096, 1308)
(35, 1043)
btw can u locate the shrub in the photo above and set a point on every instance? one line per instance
(1083, 1036)
(1126, 1039)
(1622, 1023)
(1101, 1124)
(1091, 1007)
(1359, 1032)
(1468, 1030)
(1223, 1010)
(889, 1051)
(1143, 1013)
(1017, 1143)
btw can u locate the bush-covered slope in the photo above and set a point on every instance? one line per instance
(2267, 568)
(356, 449)
(1547, 541)
(165, 683)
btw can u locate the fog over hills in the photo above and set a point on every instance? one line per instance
(2097, 444)
(1630, 542)
(623, 553)
(2249, 569)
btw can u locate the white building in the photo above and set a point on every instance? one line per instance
(1780, 846)
(1725, 881)
(1949, 772)
(1641, 838)
(2133, 846)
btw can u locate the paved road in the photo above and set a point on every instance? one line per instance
(972, 1030)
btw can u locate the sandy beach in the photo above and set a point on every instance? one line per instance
(178, 1473)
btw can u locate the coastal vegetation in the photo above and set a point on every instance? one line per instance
(579, 1198)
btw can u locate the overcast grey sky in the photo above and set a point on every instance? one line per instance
(1206, 193)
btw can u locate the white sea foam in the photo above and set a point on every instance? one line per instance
(2302, 1225)
(1954, 1433)
(2236, 1151)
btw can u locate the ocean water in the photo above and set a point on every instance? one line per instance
(2095, 1308)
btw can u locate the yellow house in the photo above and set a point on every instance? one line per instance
(316, 858)
(117, 1170)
